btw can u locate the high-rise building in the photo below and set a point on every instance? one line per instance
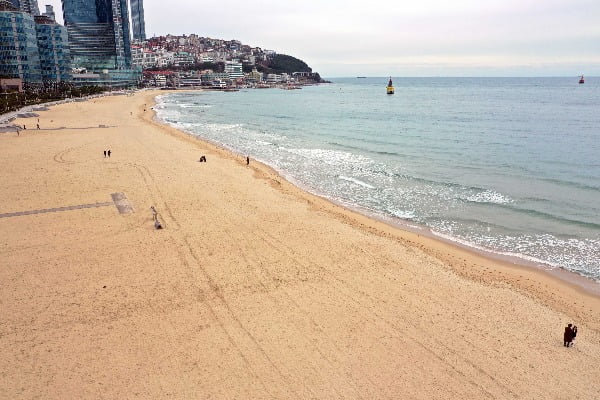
(138, 26)
(28, 6)
(50, 13)
(234, 69)
(53, 48)
(18, 44)
(99, 33)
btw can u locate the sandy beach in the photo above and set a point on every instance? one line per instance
(254, 289)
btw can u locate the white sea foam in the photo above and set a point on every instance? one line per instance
(403, 214)
(331, 157)
(188, 125)
(468, 243)
(357, 181)
(223, 127)
(192, 105)
(488, 196)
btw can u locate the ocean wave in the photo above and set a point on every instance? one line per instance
(194, 105)
(488, 196)
(222, 127)
(328, 156)
(552, 217)
(161, 98)
(357, 181)
(402, 214)
(267, 136)
(471, 244)
(365, 150)
(577, 185)
(188, 125)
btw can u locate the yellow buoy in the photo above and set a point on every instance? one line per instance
(390, 87)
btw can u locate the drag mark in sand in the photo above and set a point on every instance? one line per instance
(49, 210)
(122, 203)
(119, 200)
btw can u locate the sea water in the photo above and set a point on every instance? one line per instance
(509, 165)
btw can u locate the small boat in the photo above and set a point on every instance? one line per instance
(581, 80)
(360, 77)
(390, 87)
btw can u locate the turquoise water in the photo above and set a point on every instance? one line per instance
(510, 165)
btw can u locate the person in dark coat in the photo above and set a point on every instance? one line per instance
(568, 335)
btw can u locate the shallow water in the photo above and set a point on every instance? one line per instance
(510, 165)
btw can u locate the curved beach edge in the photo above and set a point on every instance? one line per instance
(558, 288)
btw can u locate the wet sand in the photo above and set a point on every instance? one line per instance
(254, 289)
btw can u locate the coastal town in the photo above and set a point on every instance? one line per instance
(194, 61)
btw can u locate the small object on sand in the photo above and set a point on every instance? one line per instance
(157, 224)
(154, 213)
(202, 159)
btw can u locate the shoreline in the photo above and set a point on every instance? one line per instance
(587, 284)
(253, 288)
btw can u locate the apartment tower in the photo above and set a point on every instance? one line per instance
(99, 33)
(27, 6)
(138, 26)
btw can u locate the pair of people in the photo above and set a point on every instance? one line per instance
(107, 152)
(569, 335)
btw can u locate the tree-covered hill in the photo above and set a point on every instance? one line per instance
(284, 63)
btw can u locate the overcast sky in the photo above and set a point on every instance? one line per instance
(400, 38)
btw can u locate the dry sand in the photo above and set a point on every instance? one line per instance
(254, 289)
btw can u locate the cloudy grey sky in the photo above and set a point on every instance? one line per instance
(401, 38)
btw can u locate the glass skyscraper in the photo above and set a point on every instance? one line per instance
(138, 26)
(28, 6)
(53, 48)
(99, 33)
(18, 45)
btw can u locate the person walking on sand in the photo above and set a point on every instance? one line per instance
(108, 152)
(247, 160)
(568, 335)
(104, 153)
(573, 334)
